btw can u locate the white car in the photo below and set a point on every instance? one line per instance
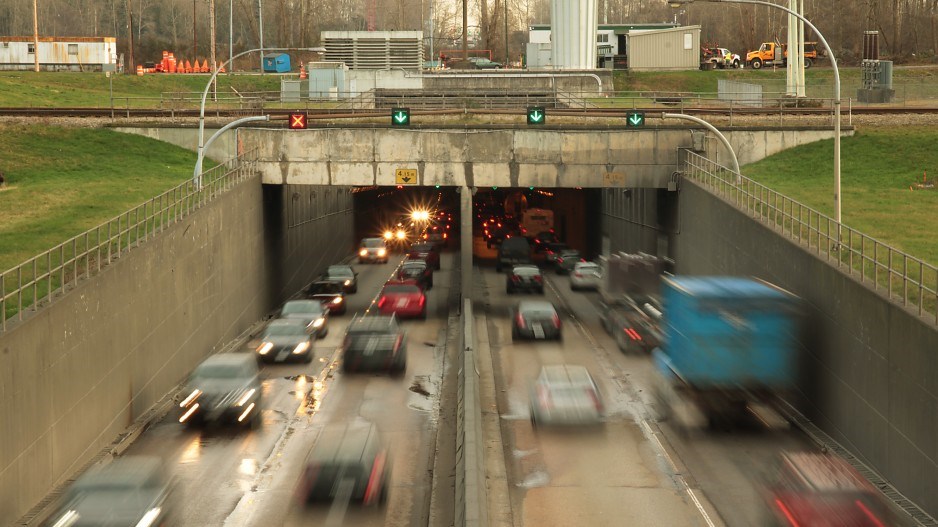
(565, 395)
(585, 275)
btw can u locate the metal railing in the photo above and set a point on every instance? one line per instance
(904, 279)
(37, 282)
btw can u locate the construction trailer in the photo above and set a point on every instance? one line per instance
(59, 53)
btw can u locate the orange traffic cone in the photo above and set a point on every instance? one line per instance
(187, 68)
(140, 69)
(221, 68)
(302, 72)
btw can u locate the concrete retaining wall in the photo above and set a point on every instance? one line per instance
(870, 369)
(77, 373)
(471, 482)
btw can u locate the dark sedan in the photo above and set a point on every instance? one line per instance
(343, 274)
(330, 294)
(416, 270)
(524, 278)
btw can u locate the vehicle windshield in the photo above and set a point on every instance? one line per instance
(285, 330)
(527, 271)
(220, 371)
(589, 267)
(566, 253)
(412, 271)
(401, 289)
(340, 271)
(372, 242)
(538, 313)
(313, 308)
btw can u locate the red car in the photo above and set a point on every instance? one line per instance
(425, 251)
(403, 298)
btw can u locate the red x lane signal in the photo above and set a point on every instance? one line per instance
(298, 121)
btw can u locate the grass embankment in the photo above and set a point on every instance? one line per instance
(87, 90)
(61, 182)
(878, 166)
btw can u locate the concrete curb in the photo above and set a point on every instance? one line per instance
(475, 504)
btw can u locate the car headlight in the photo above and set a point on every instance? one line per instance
(401, 235)
(265, 348)
(300, 348)
(149, 517)
(337, 300)
(246, 397)
(388, 235)
(192, 396)
(348, 282)
(382, 252)
(363, 252)
(319, 322)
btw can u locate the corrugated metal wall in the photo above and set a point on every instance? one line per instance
(375, 50)
(79, 54)
(667, 49)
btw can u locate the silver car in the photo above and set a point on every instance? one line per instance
(285, 340)
(565, 395)
(225, 387)
(310, 312)
(585, 275)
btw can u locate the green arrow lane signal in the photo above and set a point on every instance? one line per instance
(536, 115)
(635, 118)
(400, 117)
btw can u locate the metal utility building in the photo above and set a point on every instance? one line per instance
(59, 53)
(375, 50)
(664, 49)
(611, 44)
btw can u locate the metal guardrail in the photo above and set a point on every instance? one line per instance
(36, 282)
(904, 279)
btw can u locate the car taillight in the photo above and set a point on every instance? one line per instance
(633, 334)
(556, 320)
(787, 513)
(595, 398)
(423, 300)
(375, 479)
(520, 320)
(543, 395)
(383, 300)
(538, 278)
(515, 278)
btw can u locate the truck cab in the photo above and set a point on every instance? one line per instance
(776, 54)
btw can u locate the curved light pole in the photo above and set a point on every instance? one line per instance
(713, 129)
(201, 151)
(680, 3)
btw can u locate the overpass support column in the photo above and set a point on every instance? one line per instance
(465, 241)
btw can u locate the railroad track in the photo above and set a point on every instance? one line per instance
(318, 113)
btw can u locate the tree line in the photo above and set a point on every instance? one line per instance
(144, 28)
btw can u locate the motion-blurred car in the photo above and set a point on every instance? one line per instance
(343, 274)
(585, 275)
(633, 327)
(374, 343)
(311, 313)
(821, 489)
(536, 319)
(404, 299)
(552, 251)
(130, 490)
(224, 388)
(565, 395)
(542, 239)
(330, 294)
(526, 278)
(286, 340)
(418, 271)
(482, 63)
(425, 251)
(437, 234)
(348, 459)
(373, 250)
(567, 260)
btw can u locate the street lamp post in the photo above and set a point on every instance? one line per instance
(197, 172)
(713, 129)
(837, 205)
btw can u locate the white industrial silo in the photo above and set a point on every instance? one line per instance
(573, 34)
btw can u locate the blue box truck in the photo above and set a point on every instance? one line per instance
(728, 341)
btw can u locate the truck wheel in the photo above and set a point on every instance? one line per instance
(756, 64)
(807, 63)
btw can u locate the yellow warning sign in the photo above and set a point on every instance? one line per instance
(406, 176)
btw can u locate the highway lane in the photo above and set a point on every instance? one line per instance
(248, 477)
(631, 470)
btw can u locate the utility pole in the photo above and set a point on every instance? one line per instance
(211, 26)
(130, 34)
(36, 34)
(465, 30)
(195, 34)
(506, 33)
(230, 34)
(260, 12)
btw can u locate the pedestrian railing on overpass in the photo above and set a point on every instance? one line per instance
(905, 279)
(38, 281)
